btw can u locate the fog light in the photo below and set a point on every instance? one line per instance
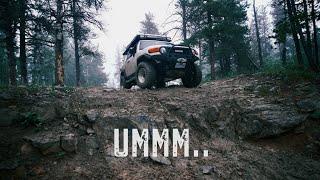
(163, 50)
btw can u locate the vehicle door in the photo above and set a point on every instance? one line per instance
(131, 63)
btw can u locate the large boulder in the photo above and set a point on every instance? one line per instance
(268, 120)
(47, 142)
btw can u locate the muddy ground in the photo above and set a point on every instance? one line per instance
(253, 127)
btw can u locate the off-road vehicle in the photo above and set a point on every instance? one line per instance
(152, 60)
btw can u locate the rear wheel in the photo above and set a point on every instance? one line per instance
(146, 75)
(193, 76)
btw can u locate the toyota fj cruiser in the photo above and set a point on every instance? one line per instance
(152, 60)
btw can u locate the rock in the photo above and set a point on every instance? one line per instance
(172, 106)
(90, 131)
(69, 143)
(306, 105)
(47, 142)
(264, 120)
(275, 90)
(91, 116)
(38, 171)
(161, 160)
(90, 152)
(92, 142)
(8, 117)
(47, 112)
(109, 90)
(207, 169)
(28, 152)
(109, 151)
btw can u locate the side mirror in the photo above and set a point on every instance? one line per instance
(131, 50)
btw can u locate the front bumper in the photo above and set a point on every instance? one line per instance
(173, 66)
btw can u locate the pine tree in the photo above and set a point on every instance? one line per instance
(148, 26)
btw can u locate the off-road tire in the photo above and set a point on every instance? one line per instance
(193, 76)
(146, 75)
(123, 83)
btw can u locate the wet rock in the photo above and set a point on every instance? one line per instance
(306, 105)
(91, 116)
(8, 117)
(161, 160)
(207, 169)
(69, 143)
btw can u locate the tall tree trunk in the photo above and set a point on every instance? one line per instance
(308, 51)
(294, 33)
(283, 44)
(59, 70)
(10, 35)
(184, 19)
(306, 16)
(23, 56)
(76, 40)
(211, 49)
(227, 64)
(315, 34)
(200, 52)
(283, 47)
(257, 33)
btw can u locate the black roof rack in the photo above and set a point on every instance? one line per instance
(139, 37)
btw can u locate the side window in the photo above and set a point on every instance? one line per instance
(135, 49)
(131, 53)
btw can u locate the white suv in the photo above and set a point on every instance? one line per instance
(152, 60)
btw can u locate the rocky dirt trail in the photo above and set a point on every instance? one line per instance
(253, 127)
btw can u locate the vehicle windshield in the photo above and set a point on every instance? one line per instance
(146, 43)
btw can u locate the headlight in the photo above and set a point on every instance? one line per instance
(163, 50)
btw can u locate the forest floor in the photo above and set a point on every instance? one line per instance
(253, 127)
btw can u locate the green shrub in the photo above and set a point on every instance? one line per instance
(290, 72)
(31, 119)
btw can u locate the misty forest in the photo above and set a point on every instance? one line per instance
(238, 79)
(49, 42)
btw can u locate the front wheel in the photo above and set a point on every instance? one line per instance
(146, 75)
(192, 77)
